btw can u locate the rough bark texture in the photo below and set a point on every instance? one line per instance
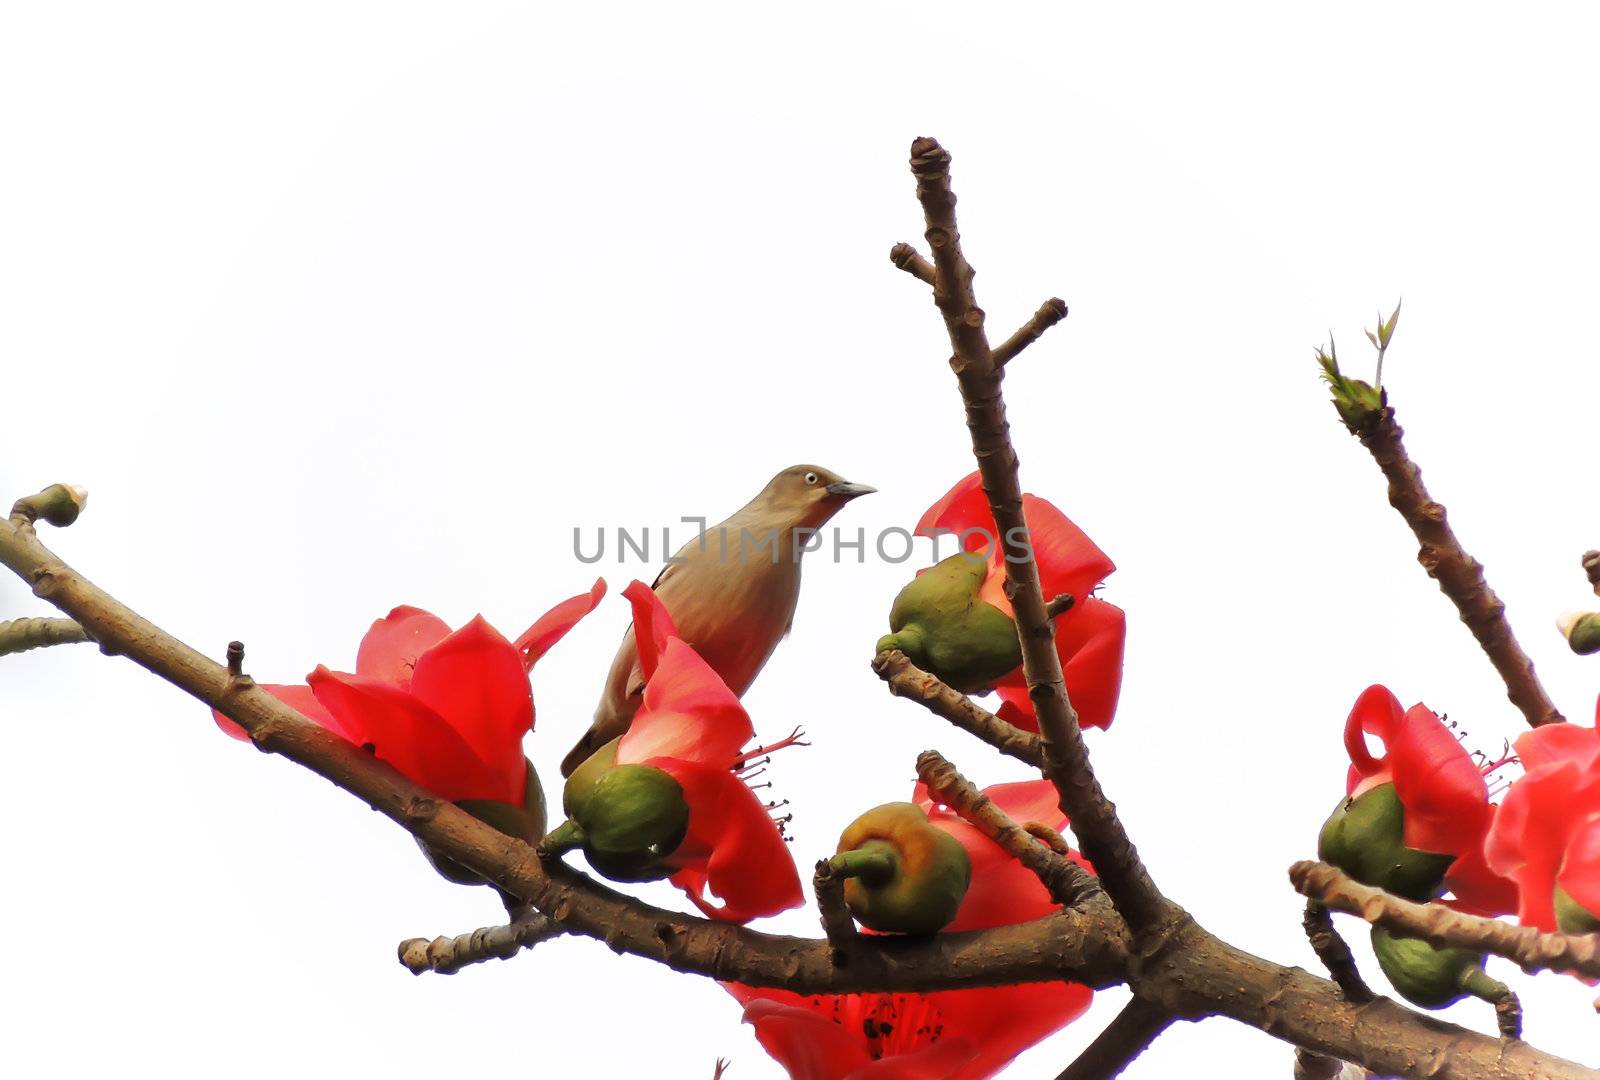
(1066, 881)
(907, 680)
(1334, 953)
(1101, 836)
(1128, 1035)
(20, 635)
(448, 955)
(1530, 949)
(1459, 575)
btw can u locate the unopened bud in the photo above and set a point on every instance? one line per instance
(1582, 630)
(626, 818)
(1365, 837)
(58, 505)
(903, 874)
(1430, 976)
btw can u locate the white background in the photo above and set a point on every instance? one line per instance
(338, 306)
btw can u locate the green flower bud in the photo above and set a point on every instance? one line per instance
(904, 875)
(1572, 917)
(626, 818)
(525, 822)
(1582, 631)
(1429, 976)
(1365, 837)
(939, 622)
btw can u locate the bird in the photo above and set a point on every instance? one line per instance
(731, 592)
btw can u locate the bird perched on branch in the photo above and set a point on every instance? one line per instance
(731, 592)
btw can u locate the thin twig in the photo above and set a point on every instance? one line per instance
(1050, 312)
(907, 680)
(911, 261)
(20, 635)
(1128, 1035)
(1334, 952)
(1066, 760)
(1066, 881)
(837, 922)
(1439, 925)
(1459, 575)
(448, 955)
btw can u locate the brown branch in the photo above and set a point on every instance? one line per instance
(1439, 925)
(1085, 946)
(911, 261)
(1128, 1035)
(1065, 760)
(837, 922)
(1334, 952)
(907, 680)
(20, 635)
(1187, 971)
(1067, 882)
(448, 955)
(1050, 312)
(1459, 575)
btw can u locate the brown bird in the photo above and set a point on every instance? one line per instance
(731, 593)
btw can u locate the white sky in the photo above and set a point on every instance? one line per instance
(335, 306)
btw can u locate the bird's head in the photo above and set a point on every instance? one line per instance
(807, 495)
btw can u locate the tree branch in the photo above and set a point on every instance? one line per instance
(907, 680)
(1128, 1035)
(1100, 834)
(1050, 312)
(1439, 925)
(1334, 953)
(837, 923)
(448, 955)
(1066, 881)
(20, 635)
(1459, 575)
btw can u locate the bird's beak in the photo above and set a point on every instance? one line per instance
(848, 490)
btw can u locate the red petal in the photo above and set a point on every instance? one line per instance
(688, 713)
(808, 1045)
(474, 680)
(1376, 712)
(1089, 640)
(553, 625)
(651, 614)
(408, 735)
(1003, 891)
(1555, 743)
(732, 845)
(1478, 890)
(1069, 562)
(1446, 801)
(1580, 870)
(964, 509)
(299, 698)
(1003, 1021)
(1529, 837)
(390, 648)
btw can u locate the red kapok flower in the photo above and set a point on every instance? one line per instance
(692, 727)
(449, 710)
(947, 1034)
(1440, 787)
(1546, 835)
(1089, 637)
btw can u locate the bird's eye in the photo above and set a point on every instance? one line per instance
(811, 478)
